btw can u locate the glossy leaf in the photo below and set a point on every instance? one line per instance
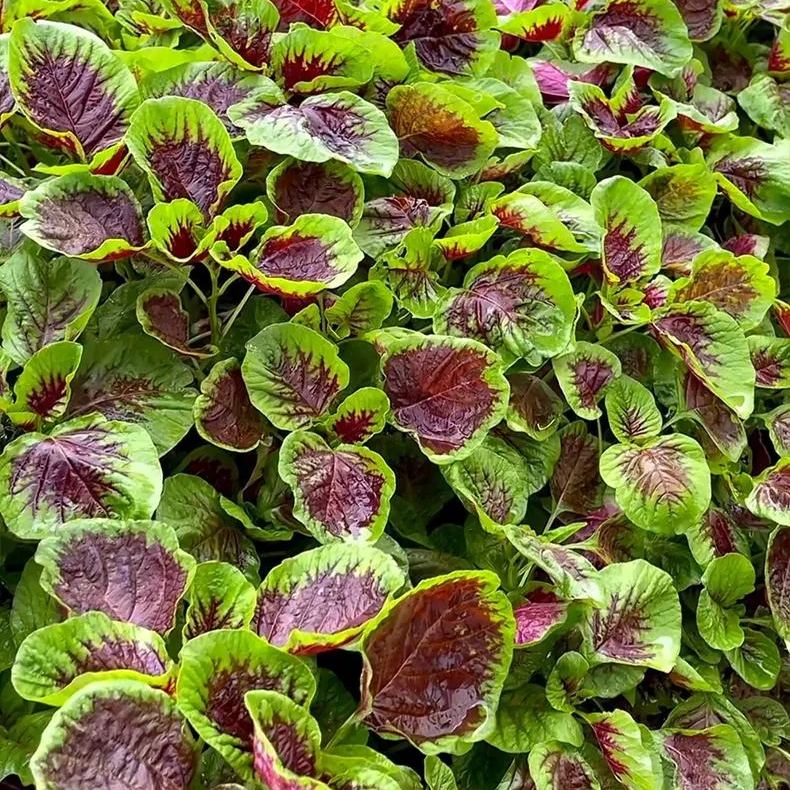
(437, 383)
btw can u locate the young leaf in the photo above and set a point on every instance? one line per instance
(631, 248)
(756, 660)
(663, 486)
(47, 301)
(219, 597)
(82, 742)
(444, 646)
(338, 126)
(205, 529)
(713, 347)
(541, 613)
(217, 670)
(359, 580)
(315, 253)
(446, 392)
(639, 622)
(584, 375)
(727, 579)
(292, 375)
(632, 411)
(517, 305)
(360, 416)
(56, 661)
(84, 468)
(140, 577)
(445, 130)
(223, 412)
(70, 85)
(185, 150)
(91, 217)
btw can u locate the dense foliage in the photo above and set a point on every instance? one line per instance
(393, 394)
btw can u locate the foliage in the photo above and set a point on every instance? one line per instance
(393, 394)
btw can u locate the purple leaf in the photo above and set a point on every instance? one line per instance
(540, 614)
(133, 571)
(436, 660)
(352, 583)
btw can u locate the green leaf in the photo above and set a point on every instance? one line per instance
(362, 308)
(524, 719)
(639, 622)
(756, 660)
(438, 775)
(56, 661)
(632, 411)
(293, 375)
(663, 486)
(47, 301)
(584, 374)
(217, 670)
(770, 497)
(683, 193)
(219, 597)
(359, 416)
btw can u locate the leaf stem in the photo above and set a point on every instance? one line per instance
(211, 303)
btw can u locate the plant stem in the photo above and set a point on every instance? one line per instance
(211, 303)
(235, 314)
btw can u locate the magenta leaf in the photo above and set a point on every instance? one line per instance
(541, 613)
(445, 646)
(139, 578)
(435, 383)
(357, 580)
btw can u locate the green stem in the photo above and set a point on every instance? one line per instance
(232, 279)
(235, 314)
(213, 298)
